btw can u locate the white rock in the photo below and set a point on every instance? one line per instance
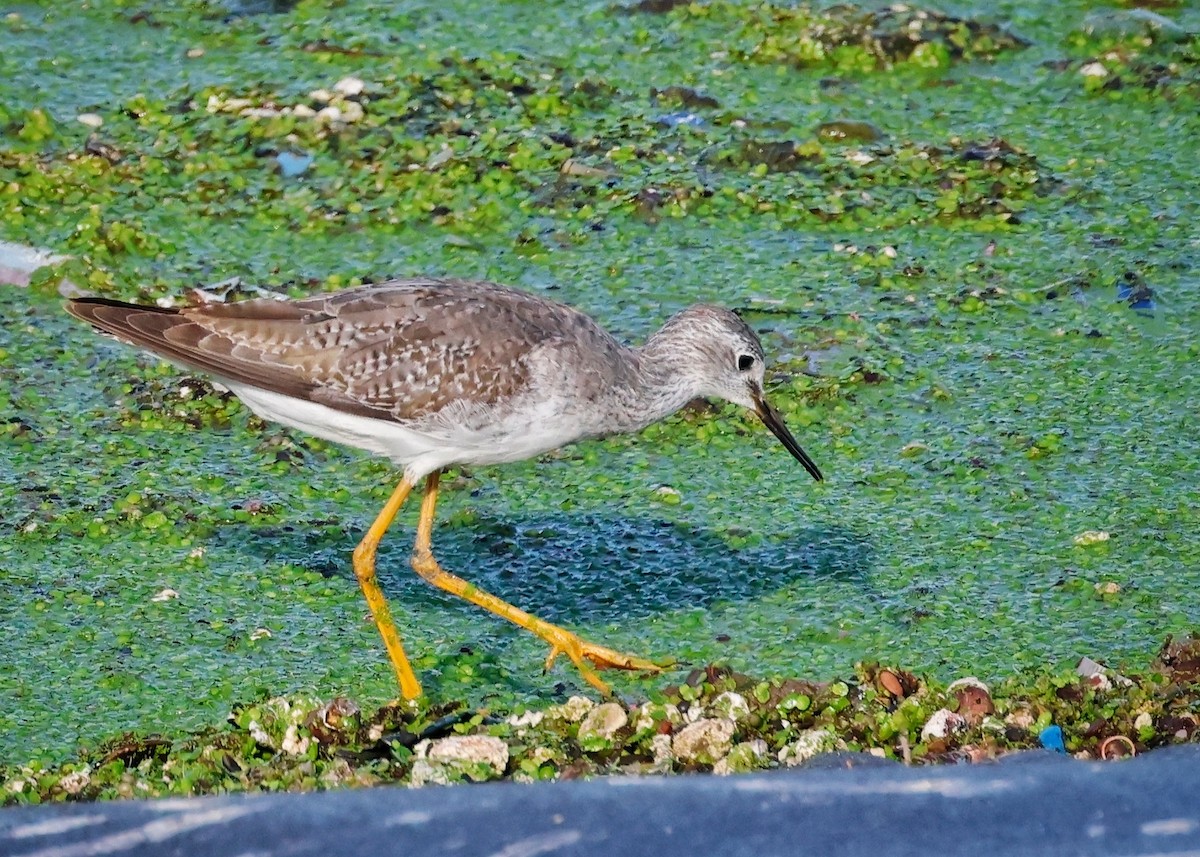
(660, 748)
(603, 722)
(91, 120)
(426, 773)
(165, 595)
(352, 111)
(744, 757)
(941, 723)
(808, 743)
(704, 741)
(572, 710)
(303, 111)
(730, 705)
(653, 713)
(349, 86)
(329, 115)
(1093, 69)
(471, 750)
(1143, 721)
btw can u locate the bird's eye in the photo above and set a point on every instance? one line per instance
(745, 361)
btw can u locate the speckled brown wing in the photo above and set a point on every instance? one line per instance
(401, 350)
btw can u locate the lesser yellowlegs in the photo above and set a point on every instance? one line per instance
(436, 372)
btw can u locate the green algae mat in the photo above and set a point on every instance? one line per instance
(968, 237)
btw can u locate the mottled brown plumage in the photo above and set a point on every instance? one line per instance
(400, 350)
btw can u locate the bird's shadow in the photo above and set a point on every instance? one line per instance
(583, 567)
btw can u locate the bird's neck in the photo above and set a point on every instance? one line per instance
(662, 380)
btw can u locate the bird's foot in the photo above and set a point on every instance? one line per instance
(587, 655)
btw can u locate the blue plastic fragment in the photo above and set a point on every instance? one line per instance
(1052, 739)
(291, 164)
(1139, 296)
(671, 120)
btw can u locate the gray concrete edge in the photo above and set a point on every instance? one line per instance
(1034, 804)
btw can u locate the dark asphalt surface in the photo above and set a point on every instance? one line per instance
(1036, 804)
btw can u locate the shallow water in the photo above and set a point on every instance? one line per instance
(981, 396)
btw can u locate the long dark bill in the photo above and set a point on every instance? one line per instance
(772, 420)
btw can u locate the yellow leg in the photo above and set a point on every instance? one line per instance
(561, 640)
(364, 570)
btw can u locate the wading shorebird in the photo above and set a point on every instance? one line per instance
(436, 372)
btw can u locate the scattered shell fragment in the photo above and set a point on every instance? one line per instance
(1098, 675)
(1116, 747)
(331, 722)
(1091, 537)
(259, 634)
(526, 719)
(890, 682)
(75, 782)
(974, 699)
(294, 744)
(259, 734)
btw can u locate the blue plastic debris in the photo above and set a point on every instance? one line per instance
(291, 164)
(672, 120)
(1052, 739)
(1133, 290)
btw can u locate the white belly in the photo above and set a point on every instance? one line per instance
(435, 445)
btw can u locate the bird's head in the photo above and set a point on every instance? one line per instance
(726, 360)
